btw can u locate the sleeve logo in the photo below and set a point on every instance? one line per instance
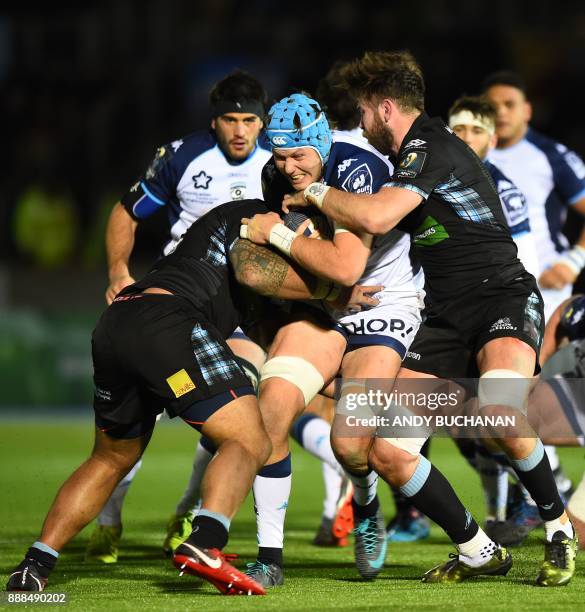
(411, 164)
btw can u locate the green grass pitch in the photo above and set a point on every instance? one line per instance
(37, 456)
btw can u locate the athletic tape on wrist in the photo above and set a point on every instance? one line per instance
(574, 259)
(243, 231)
(315, 193)
(282, 238)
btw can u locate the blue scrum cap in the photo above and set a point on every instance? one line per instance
(298, 121)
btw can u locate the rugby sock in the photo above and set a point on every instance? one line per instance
(192, 495)
(553, 456)
(401, 503)
(494, 480)
(535, 474)
(210, 530)
(271, 493)
(364, 487)
(367, 511)
(332, 481)
(430, 492)
(478, 550)
(45, 557)
(111, 514)
(313, 434)
(552, 527)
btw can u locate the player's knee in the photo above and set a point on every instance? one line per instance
(503, 387)
(295, 370)
(395, 458)
(352, 453)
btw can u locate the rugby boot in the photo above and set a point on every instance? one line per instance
(211, 565)
(454, 570)
(179, 529)
(409, 525)
(370, 546)
(268, 576)
(103, 544)
(559, 561)
(27, 577)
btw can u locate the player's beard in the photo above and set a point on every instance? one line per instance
(380, 136)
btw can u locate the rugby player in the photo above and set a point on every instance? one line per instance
(485, 316)
(303, 359)
(161, 345)
(551, 177)
(189, 177)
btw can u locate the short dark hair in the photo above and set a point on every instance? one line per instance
(504, 77)
(387, 74)
(339, 105)
(237, 86)
(479, 106)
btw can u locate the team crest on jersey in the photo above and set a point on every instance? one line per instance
(411, 164)
(161, 156)
(360, 180)
(344, 165)
(202, 180)
(238, 191)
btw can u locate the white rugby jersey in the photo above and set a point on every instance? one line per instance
(191, 176)
(355, 166)
(551, 177)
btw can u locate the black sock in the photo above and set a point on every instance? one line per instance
(269, 555)
(364, 512)
(435, 497)
(45, 561)
(540, 483)
(208, 533)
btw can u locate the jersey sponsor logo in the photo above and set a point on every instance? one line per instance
(415, 143)
(364, 326)
(502, 324)
(344, 165)
(202, 180)
(238, 191)
(430, 232)
(411, 164)
(161, 156)
(180, 383)
(278, 140)
(360, 180)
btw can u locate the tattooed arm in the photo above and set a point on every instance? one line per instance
(269, 274)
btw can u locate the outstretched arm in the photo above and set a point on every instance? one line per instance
(376, 214)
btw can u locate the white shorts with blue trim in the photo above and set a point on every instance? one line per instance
(393, 323)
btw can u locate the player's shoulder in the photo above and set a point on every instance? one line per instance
(552, 148)
(354, 165)
(194, 144)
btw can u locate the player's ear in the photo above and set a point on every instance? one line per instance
(493, 141)
(527, 111)
(213, 124)
(385, 109)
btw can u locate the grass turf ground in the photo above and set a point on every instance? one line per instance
(37, 457)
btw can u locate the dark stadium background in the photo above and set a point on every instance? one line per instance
(88, 90)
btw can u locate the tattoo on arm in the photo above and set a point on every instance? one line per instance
(258, 267)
